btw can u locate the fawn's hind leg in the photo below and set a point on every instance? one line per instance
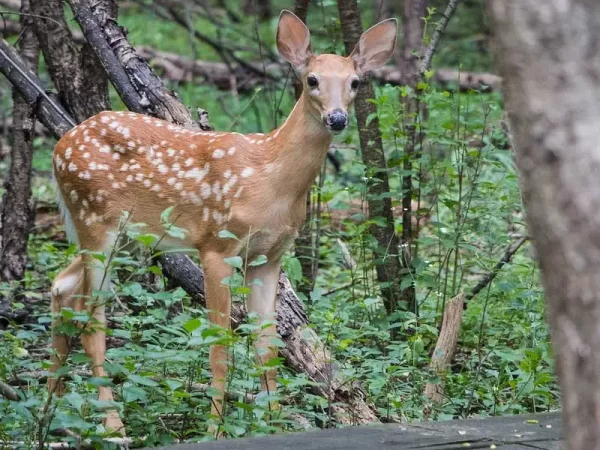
(74, 288)
(93, 337)
(66, 288)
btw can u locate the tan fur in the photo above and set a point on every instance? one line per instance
(254, 186)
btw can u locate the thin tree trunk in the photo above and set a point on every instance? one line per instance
(388, 266)
(305, 244)
(408, 59)
(549, 57)
(17, 212)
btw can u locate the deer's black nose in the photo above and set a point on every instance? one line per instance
(337, 120)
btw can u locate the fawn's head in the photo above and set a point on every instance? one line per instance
(330, 81)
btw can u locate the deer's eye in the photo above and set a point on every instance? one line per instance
(354, 84)
(312, 81)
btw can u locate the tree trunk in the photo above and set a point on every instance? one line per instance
(549, 57)
(76, 73)
(387, 263)
(17, 212)
(407, 58)
(259, 8)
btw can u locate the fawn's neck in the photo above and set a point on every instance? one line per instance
(298, 149)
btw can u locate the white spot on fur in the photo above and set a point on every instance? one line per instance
(73, 196)
(230, 183)
(205, 190)
(68, 153)
(72, 167)
(189, 162)
(231, 151)
(247, 172)
(218, 153)
(85, 175)
(205, 214)
(197, 174)
(217, 191)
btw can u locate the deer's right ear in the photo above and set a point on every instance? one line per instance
(293, 39)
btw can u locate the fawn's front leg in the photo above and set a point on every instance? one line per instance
(262, 301)
(218, 303)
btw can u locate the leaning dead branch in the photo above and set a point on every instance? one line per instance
(487, 279)
(445, 347)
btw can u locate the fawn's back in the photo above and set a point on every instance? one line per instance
(123, 161)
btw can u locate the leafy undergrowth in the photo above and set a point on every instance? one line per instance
(159, 340)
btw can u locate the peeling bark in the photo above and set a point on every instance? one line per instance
(81, 86)
(17, 209)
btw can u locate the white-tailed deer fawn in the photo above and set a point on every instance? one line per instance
(253, 185)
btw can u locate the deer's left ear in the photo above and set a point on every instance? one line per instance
(376, 46)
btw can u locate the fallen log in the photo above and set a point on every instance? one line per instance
(181, 69)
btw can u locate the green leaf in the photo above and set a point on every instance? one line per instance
(176, 232)
(172, 384)
(99, 381)
(226, 234)
(259, 261)
(133, 393)
(165, 216)
(234, 261)
(142, 380)
(79, 358)
(75, 400)
(146, 239)
(293, 268)
(191, 325)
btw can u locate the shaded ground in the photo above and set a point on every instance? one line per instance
(539, 431)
